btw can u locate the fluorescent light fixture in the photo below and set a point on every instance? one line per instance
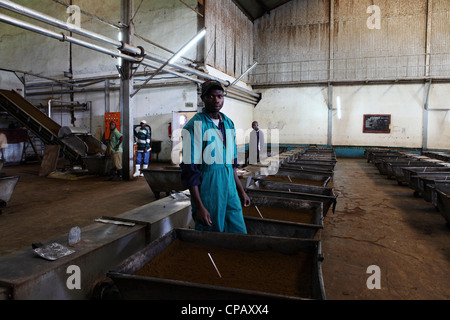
(119, 37)
(189, 45)
(338, 102)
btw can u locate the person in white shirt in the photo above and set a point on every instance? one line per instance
(256, 145)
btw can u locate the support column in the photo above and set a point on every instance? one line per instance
(425, 118)
(428, 38)
(330, 73)
(126, 84)
(330, 115)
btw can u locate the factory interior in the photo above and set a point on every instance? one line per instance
(349, 195)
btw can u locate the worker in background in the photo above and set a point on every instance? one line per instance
(3, 146)
(115, 145)
(209, 166)
(143, 136)
(256, 144)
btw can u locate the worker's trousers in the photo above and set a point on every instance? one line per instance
(220, 197)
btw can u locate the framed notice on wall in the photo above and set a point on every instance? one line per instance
(377, 123)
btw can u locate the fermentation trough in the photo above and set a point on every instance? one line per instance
(163, 179)
(408, 172)
(372, 156)
(394, 169)
(444, 156)
(326, 162)
(189, 274)
(384, 165)
(399, 172)
(308, 166)
(377, 161)
(428, 186)
(168, 179)
(417, 183)
(318, 178)
(441, 198)
(283, 217)
(295, 191)
(7, 186)
(312, 156)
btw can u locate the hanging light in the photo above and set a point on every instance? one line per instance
(338, 102)
(119, 37)
(189, 45)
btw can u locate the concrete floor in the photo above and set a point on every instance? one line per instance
(377, 222)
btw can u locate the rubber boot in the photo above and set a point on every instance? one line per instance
(120, 174)
(145, 166)
(138, 171)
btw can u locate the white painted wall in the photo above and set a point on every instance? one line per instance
(403, 102)
(439, 117)
(156, 106)
(300, 114)
(8, 81)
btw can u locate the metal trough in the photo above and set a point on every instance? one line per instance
(308, 166)
(163, 179)
(181, 284)
(408, 172)
(298, 218)
(295, 191)
(444, 156)
(312, 156)
(394, 169)
(382, 164)
(417, 183)
(7, 186)
(318, 178)
(326, 162)
(373, 156)
(441, 198)
(428, 186)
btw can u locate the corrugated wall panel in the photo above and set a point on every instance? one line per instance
(229, 38)
(440, 38)
(292, 42)
(396, 50)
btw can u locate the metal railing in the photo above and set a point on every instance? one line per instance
(401, 67)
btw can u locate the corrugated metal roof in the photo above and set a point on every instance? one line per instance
(255, 9)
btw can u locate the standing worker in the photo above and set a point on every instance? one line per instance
(256, 144)
(209, 166)
(115, 144)
(143, 147)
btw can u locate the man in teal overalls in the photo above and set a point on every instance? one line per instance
(209, 166)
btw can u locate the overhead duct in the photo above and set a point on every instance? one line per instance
(135, 54)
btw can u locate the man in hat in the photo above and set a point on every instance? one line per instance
(115, 143)
(143, 136)
(209, 166)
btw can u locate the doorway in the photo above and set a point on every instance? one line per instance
(179, 119)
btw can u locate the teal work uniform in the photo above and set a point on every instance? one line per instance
(209, 155)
